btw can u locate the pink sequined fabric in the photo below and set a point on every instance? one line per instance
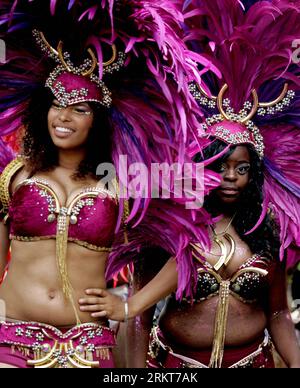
(35, 207)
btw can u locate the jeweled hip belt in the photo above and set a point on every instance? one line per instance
(166, 358)
(51, 347)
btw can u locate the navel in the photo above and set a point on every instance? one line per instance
(51, 294)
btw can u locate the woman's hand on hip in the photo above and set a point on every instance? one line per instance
(102, 303)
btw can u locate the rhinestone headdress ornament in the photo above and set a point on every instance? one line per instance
(71, 84)
(238, 128)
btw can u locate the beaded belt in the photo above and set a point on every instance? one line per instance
(52, 348)
(166, 358)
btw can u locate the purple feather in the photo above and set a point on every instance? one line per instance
(52, 6)
(71, 3)
(252, 45)
(153, 113)
(155, 230)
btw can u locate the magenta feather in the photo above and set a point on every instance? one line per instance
(53, 6)
(253, 48)
(171, 228)
(153, 113)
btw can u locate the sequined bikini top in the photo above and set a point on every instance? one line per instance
(35, 213)
(247, 283)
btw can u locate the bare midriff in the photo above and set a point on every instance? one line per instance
(32, 289)
(192, 327)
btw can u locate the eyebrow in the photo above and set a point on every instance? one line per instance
(239, 161)
(84, 104)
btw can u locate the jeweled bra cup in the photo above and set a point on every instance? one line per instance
(240, 282)
(88, 198)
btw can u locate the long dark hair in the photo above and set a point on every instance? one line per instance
(40, 152)
(264, 240)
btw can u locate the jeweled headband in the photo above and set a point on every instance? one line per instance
(238, 128)
(72, 85)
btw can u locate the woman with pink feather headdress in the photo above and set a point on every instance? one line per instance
(238, 311)
(82, 85)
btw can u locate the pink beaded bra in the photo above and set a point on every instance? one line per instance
(35, 213)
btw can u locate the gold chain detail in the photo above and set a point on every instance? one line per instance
(62, 356)
(126, 209)
(70, 239)
(220, 326)
(225, 230)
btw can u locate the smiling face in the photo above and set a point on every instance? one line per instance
(69, 127)
(235, 175)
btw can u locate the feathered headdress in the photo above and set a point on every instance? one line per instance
(257, 100)
(147, 100)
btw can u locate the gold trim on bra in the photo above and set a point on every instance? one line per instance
(234, 276)
(246, 264)
(230, 280)
(85, 192)
(10, 170)
(258, 270)
(78, 242)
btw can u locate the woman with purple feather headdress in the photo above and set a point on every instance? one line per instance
(115, 75)
(251, 137)
(251, 122)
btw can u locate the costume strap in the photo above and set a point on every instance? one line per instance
(62, 232)
(220, 326)
(125, 216)
(5, 178)
(126, 208)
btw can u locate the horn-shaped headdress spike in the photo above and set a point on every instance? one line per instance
(238, 128)
(205, 94)
(113, 58)
(67, 67)
(94, 63)
(224, 114)
(61, 56)
(72, 84)
(277, 100)
(58, 54)
(254, 107)
(47, 44)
